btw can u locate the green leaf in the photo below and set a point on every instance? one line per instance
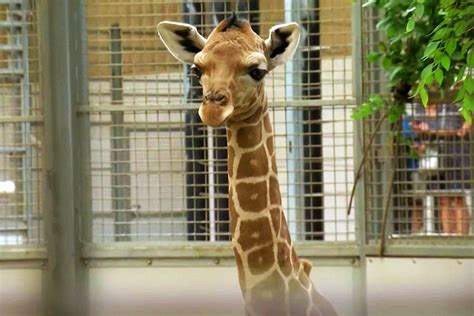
(394, 73)
(467, 114)
(427, 71)
(439, 76)
(387, 63)
(395, 112)
(424, 96)
(461, 73)
(468, 102)
(466, 46)
(470, 59)
(439, 34)
(420, 8)
(469, 84)
(451, 46)
(373, 57)
(445, 62)
(410, 24)
(369, 3)
(430, 49)
(376, 100)
(459, 27)
(460, 95)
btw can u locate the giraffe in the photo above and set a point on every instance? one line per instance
(231, 64)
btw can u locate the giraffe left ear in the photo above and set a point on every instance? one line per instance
(281, 44)
(182, 40)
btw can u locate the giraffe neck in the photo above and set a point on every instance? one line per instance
(274, 281)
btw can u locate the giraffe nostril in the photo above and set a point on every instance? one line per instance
(217, 97)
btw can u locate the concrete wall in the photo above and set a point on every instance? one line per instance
(418, 287)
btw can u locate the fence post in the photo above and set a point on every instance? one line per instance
(360, 269)
(64, 88)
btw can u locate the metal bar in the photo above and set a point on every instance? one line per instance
(27, 163)
(12, 150)
(22, 253)
(211, 186)
(294, 138)
(120, 145)
(157, 250)
(359, 289)
(65, 282)
(21, 119)
(10, 47)
(11, 1)
(10, 24)
(195, 106)
(448, 249)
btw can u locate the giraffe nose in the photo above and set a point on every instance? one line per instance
(219, 97)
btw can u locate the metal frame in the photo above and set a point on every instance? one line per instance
(66, 192)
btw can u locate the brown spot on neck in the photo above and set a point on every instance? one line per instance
(245, 190)
(254, 233)
(261, 259)
(247, 169)
(249, 136)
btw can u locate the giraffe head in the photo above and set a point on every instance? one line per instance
(230, 64)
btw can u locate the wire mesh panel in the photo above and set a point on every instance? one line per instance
(159, 174)
(21, 139)
(420, 168)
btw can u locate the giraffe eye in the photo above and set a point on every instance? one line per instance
(257, 74)
(195, 71)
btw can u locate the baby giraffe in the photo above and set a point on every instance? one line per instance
(231, 64)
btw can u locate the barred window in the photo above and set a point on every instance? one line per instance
(159, 174)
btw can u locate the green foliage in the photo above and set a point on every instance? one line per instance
(452, 62)
(428, 43)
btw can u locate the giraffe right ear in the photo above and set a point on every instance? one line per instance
(182, 40)
(281, 44)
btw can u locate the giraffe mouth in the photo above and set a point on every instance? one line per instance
(215, 115)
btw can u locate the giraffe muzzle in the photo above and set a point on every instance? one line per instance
(215, 108)
(219, 98)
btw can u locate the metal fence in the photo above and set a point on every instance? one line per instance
(21, 133)
(418, 185)
(158, 174)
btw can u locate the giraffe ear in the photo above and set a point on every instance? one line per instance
(281, 44)
(182, 40)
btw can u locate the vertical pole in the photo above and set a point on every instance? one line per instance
(312, 139)
(27, 164)
(294, 131)
(66, 279)
(360, 269)
(120, 145)
(211, 185)
(195, 144)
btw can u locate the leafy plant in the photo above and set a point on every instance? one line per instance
(429, 43)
